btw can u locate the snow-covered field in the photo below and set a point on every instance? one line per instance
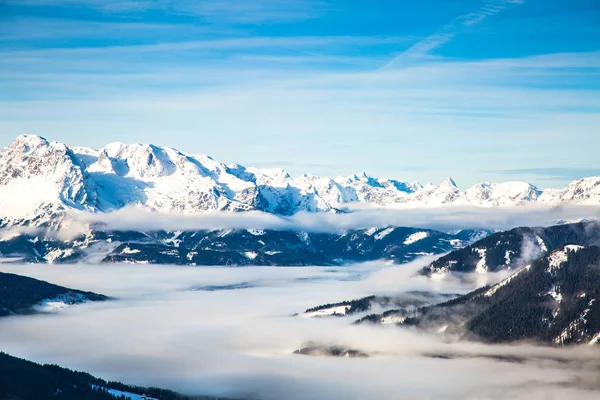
(163, 332)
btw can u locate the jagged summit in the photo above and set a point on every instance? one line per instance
(28, 137)
(39, 177)
(449, 182)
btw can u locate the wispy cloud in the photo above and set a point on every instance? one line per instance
(487, 10)
(148, 71)
(502, 107)
(423, 48)
(553, 172)
(236, 11)
(213, 44)
(39, 28)
(244, 11)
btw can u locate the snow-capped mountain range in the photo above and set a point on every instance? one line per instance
(39, 178)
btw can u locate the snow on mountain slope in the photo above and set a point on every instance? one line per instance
(356, 188)
(331, 191)
(513, 249)
(445, 193)
(39, 179)
(415, 237)
(583, 191)
(282, 194)
(502, 194)
(167, 180)
(553, 300)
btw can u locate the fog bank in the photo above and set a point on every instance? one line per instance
(239, 342)
(445, 218)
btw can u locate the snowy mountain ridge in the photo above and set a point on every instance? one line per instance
(39, 178)
(553, 300)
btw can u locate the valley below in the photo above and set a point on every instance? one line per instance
(167, 275)
(238, 332)
(299, 200)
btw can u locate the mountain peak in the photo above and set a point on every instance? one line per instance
(363, 177)
(25, 144)
(449, 181)
(30, 137)
(144, 161)
(167, 180)
(38, 177)
(28, 142)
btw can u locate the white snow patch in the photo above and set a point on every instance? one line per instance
(20, 197)
(50, 305)
(500, 284)
(60, 302)
(128, 250)
(58, 253)
(507, 256)
(224, 233)
(585, 312)
(251, 254)
(559, 257)
(415, 237)
(481, 267)
(384, 233)
(256, 232)
(540, 242)
(304, 237)
(595, 339)
(341, 310)
(555, 294)
(566, 333)
(128, 395)
(556, 259)
(573, 247)
(392, 319)
(370, 231)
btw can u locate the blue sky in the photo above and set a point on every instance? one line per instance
(479, 90)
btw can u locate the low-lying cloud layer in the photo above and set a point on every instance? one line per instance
(239, 342)
(442, 218)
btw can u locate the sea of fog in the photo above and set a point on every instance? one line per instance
(230, 332)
